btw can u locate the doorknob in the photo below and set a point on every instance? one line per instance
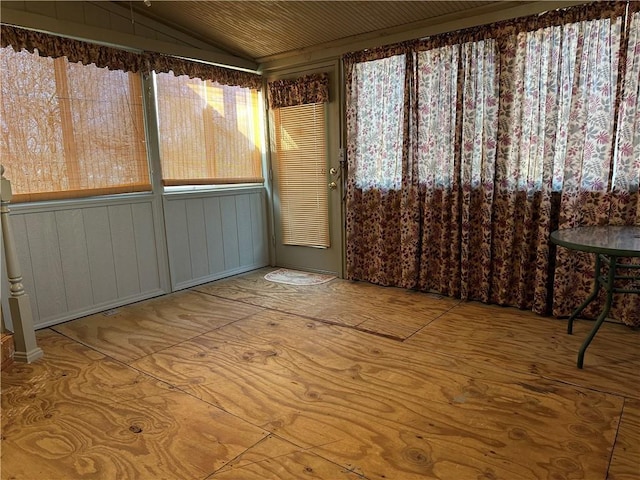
(333, 186)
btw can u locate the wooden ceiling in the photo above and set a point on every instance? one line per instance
(262, 30)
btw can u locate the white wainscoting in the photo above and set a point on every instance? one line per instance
(85, 256)
(215, 234)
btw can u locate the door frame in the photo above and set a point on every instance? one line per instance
(335, 159)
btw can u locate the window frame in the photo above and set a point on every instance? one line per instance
(186, 185)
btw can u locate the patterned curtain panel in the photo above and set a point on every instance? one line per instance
(377, 124)
(586, 169)
(53, 46)
(625, 196)
(558, 111)
(455, 157)
(532, 146)
(475, 146)
(605, 193)
(301, 91)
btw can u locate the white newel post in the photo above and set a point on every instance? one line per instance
(26, 348)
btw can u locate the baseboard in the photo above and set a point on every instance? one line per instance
(101, 307)
(217, 276)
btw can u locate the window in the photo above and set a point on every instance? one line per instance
(627, 153)
(562, 106)
(70, 130)
(378, 95)
(302, 178)
(537, 107)
(208, 133)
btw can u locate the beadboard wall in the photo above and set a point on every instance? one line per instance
(214, 235)
(80, 257)
(85, 256)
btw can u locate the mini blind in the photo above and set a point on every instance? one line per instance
(70, 130)
(209, 133)
(302, 178)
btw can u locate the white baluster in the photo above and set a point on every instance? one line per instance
(26, 348)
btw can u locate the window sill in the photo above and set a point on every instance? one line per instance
(211, 190)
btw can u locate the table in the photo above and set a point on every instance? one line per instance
(609, 243)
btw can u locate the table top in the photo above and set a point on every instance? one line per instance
(620, 241)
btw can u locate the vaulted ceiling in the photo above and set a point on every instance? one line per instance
(262, 30)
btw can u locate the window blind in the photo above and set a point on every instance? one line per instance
(209, 133)
(302, 179)
(70, 130)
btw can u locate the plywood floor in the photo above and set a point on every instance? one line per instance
(247, 379)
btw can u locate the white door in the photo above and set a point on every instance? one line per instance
(307, 182)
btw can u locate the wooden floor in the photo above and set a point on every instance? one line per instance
(247, 379)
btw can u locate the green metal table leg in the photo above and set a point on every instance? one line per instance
(594, 293)
(607, 307)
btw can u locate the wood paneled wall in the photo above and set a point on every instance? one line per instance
(213, 236)
(82, 257)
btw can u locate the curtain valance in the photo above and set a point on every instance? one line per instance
(300, 91)
(378, 53)
(47, 45)
(225, 76)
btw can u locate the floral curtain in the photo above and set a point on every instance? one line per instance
(558, 116)
(456, 160)
(204, 71)
(625, 206)
(625, 209)
(530, 143)
(312, 88)
(53, 46)
(377, 129)
(609, 194)
(475, 146)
